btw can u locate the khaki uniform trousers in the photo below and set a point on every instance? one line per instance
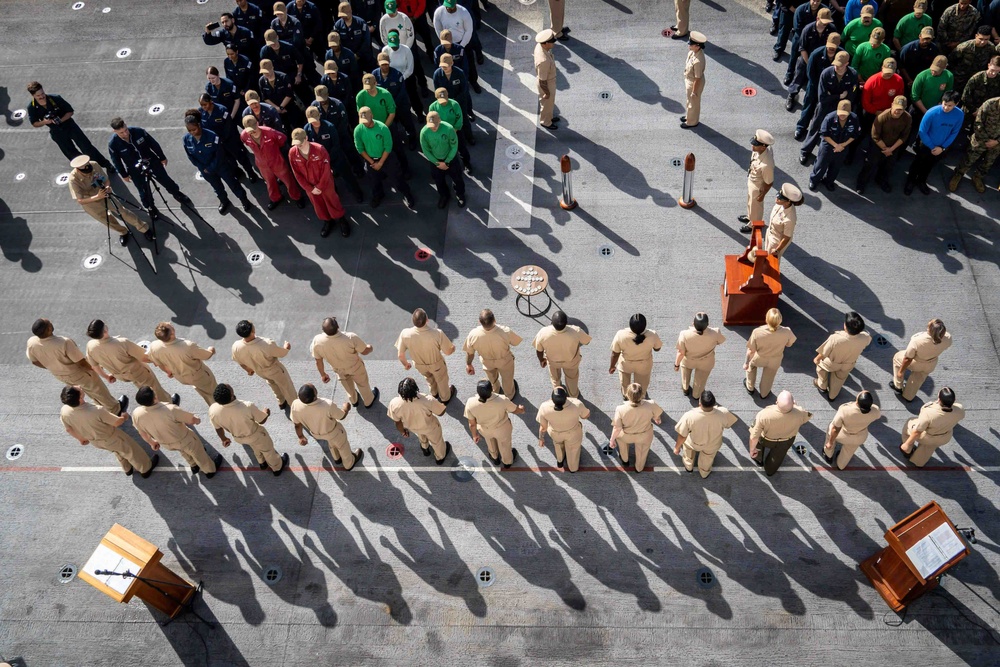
(262, 446)
(128, 452)
(437, 379)
(434, 438)
(193, 452)
(925, 448)
(642, 442)
(498, 441)
(776, 451)
(693, 90)
(97, 211)
(572, 374)
(502, 377)
(682, 15)
(832, 381)
(846, 450)
(769, 369)
(280, 382)
(567, 445)
(557, 14)
(338, 446)
(203, 382)
(700, 371)
(755, 209)
(705, 456)
(918, 373)
(141, 376)
(94, 387)
(548, 104)
(638, 373)
(357, 383)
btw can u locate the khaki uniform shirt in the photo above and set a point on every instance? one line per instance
(58, 354)
(340, 350)
(773, 424)
(490, 414)
(853, 423)
(561, 347)
(418, 415)
(425, 344)
(241, 418)
(90, 422)
(258, 355)
(81, 185)
(183, 357)
(699, 350)
(635, 357)
(116, 355)
(319, 417)
(694, 66)
(780, 224)
(936, 422)
(841, 350)
(636, 419)
(703, 428)
(164, 422)
(761, 171)
(924, 351)
(561, 421)
(545, 68)
(493, 346)
(769, 346)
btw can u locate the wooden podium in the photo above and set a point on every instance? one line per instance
(752, 283)
(922, 547)
(149, 580)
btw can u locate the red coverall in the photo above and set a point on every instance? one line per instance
(313, 171)
(271, 162)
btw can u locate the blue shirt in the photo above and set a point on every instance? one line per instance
(204, 152)
(457, 52)
(347, 63)
(286, 59)
(832, 90)
(239, 73)
(269, 116)
(395, 84)
(339, 88)
(457, 86)
(356, 37)
(812, 38)
(853, 9)
(819, 61)
(914, 59)
(336, 114)
(276, 92)
(938, 128)
(291, 32)
(250, 19)
(224, 93)
(831, 127)
(328, 137)
(243, 39)
(308, 17)
(218, 121)
(125, 155)
(803, 16)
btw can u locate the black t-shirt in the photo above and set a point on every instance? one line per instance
(54, 105)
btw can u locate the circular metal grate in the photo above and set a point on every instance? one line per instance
(20, 176)
(255, 257)
(514, 151)
(78, 6)
(198, 176)
(124, 53)
(144, 344)
(394, 450)
(106, 10)
(951, 246)
(527, 2)
(749, 92)
(514, 166)
(272, 575)
(676, 162)
(91, 262)
(18, 114)
(465, 469)
(66, 573)
(800, 449)
(608, 450)
(705, 577)
(485, 577)
(14, 452)
(605, 251)
(524, 37)
(881, 340)
(423, 254)
(62, 179)
(156, 110)
(605, 95)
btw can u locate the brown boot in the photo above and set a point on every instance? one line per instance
(956, 179)
(977, 182)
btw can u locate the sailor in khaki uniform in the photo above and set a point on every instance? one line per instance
(932, 428)
(246, 422)
(557, 347)
(166, 425)
(774, 429)
(416, 412)
(426, 346)
(850, 428)
(545, 70)
(562, 418)
(696, 354)
(120, 358)
(633, 425)
(88, 185)
(93, 425)
(183, 360)
(920, 357)
(557, 15)
(699, 433)
(258, 355)
(341, 349)
(322, 417)
(632, 353)
(765, 350)
(760, 177)
(836, 357)
(492, 342)
(694, 78)
(61, 357)
(781, 222)
(487, 415)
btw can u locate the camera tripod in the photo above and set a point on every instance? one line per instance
(147, 173)
(117, 202)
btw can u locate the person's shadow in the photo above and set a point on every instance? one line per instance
(15, 240)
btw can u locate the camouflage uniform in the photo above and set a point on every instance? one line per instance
(967, 59)
(955, 26)
(979, 89)
(986, 128)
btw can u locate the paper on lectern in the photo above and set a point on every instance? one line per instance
(933, 551)
(104, 558)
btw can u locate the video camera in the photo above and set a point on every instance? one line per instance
(54, 117)
(143, 166)
(99, 182)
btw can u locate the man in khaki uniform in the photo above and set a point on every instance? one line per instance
(682, 16)
(545, 70)
(781, 222)
(322, 417)
(850, 428)
(246, 422)
(493, 342)
(562, 418)
(183, 360)
(694, 78)
(341, 349)
(426, 346)
(632, 353)
(166, 425)
(699, 433)
(413, 411)
(765, 350)
(61, 357)
(760, 177)
(557, 347)
(260, 356)
(932, 428)
(836, 357)
(93, 425)
(487, 415)
(696, 354)
(774, 429)
(557, 15)
(633, 425)
(88, 184)
(121, 358)
(920, 357)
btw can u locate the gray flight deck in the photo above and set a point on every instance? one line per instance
(378, 566)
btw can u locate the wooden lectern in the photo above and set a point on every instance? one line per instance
(752, 283)
(922, 547)
(122, 551)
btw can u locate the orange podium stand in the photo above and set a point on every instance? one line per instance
(922, 547)
(125, 566)
(752, 283)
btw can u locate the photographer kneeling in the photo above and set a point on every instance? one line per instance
(90, 188)
(138, 158)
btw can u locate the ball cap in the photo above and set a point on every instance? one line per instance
(333, 39)
(344, 9)
(368, 81)
(433, 118)
(383, 57)
(764, 137)
(450, 4)
(698, 38)
(266, 65)
(390, 6)
(823, 16)
(312, 113)
(791, 193)
(899, 102)
(841, 58)
(545, 36)
(80, 161)
(330, 67)
(920, 4)
(250, 123)
(878, 34)
(939, 63)
(868, 10)
(393, 38)
(299, 136)
(251, 96)
(322, 93)
(441, 93)
(927, 31)
(270, 36)
(833, 39)
(365, 113)
(844, 108)
(889, 66)
(785, 400)
(279, 8)
(446, 59)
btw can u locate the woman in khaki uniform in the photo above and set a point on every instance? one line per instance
(246, 422)
(183, 360)
(562, 418)
(93, 425)
(696, 354)
(632, 353)
(121, 358)
(765, 350)
(166, 425)
(920, 357)
(932, 428)
(694, 77)
(487, 415)
(633, 425)
(836, 357)
(850, 428)
(413, 411)
(322, 417)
